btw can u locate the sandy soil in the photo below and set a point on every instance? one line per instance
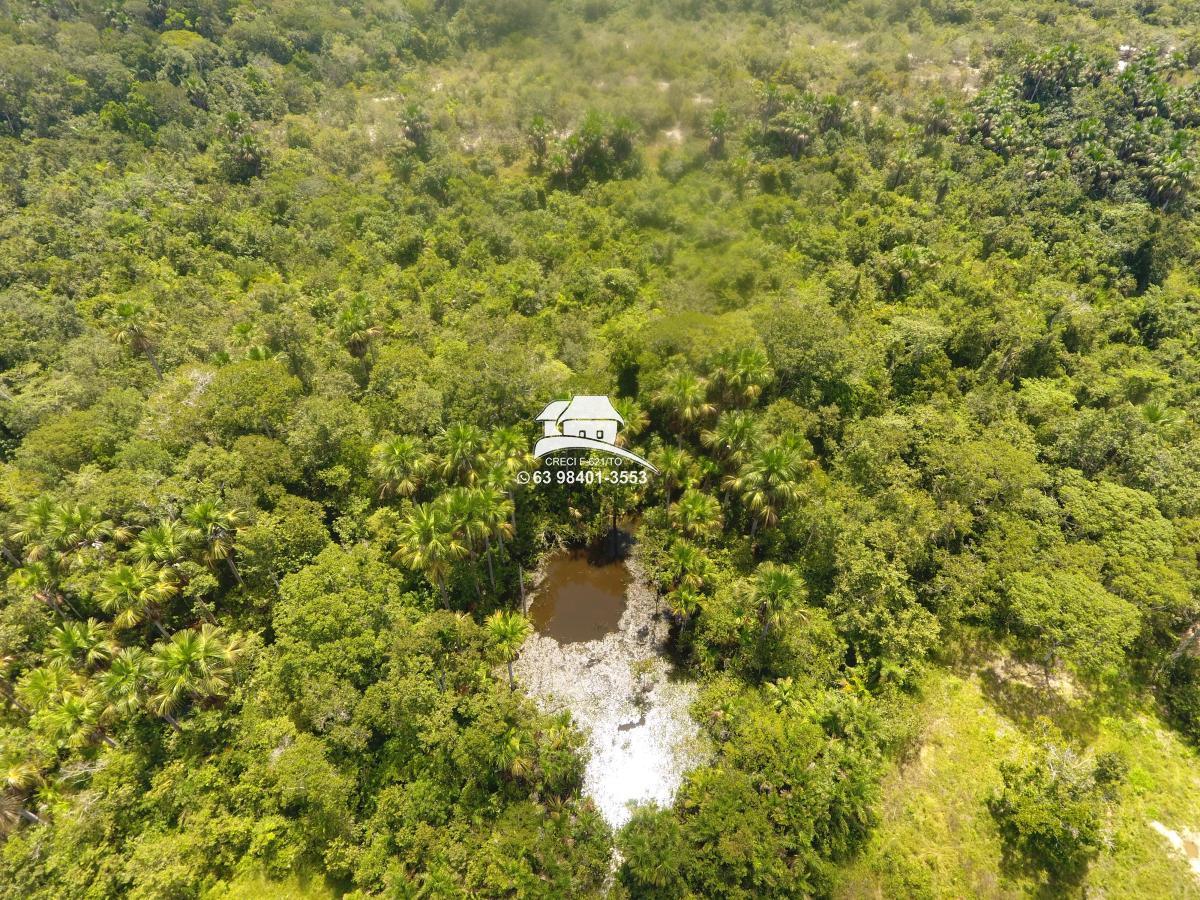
(1186, 844)
(641, 742)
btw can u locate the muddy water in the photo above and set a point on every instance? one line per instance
(581, 598)
(641, 737)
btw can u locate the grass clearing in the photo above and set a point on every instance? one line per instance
(936, 837)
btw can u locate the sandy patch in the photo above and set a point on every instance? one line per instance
(1185, 843)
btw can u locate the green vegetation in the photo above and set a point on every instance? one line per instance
(938, 838)
(899, 297)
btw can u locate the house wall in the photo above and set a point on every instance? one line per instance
(599, 429)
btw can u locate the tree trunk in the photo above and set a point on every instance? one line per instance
(8, 554)
(512, 682)
(12, 697)
(172, 721)
(237, 576)
(441, 586)
(162, 631)
(521, 584)
(153, 362)
(488, 556)
(61, 599)
(30, 817)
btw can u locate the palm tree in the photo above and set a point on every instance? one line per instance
(6, 683)
(165, 543)
(696, 515)
(355, 328)
(40, 687)
(741, 375)
(430, 545)
(776, 589)
(1172, 175)
(674, 469)
(508, 630)
(216, 527)
(518, 752)
(21, 777)
(132, 324)
(74, 720)
(508, 449)
(398, 464)
(538, 135)
(794, 127)
(718, 127)
(40, 578)
(494, 509)
(73, 526)
(123, 683)
(1159, 415)
(79, 644)
(636, 419)
(194, 664)
(684, 397)
(32, 528)
(687, 566)
(414, 123)
(463, 456)
(735, 436)
(468, 520)
(135, 594)
(766, 483)
(783, 694)
(684, 603)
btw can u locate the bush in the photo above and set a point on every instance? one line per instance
(1181, 693)
(1052, 807)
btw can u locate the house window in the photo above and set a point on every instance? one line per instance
(600, 434)
(583, 432)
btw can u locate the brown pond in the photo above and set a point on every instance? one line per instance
(581, 597)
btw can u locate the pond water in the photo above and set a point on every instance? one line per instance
(581, 597)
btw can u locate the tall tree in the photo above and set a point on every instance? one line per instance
(216, 526)
(767, 483)
(194, 664)
(741, 375)
(734, 438)
(398, 465)
(137, 593)
(133, 324)
(696, 515)
(684, 397)
(165, 543)
(429, 544)
(508, 630)
(463, 456)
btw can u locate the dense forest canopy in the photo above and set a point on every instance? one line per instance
(901, 298)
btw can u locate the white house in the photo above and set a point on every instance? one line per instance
(586, 416)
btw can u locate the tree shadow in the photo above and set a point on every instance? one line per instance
(1024, 701)
(1047, 885)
